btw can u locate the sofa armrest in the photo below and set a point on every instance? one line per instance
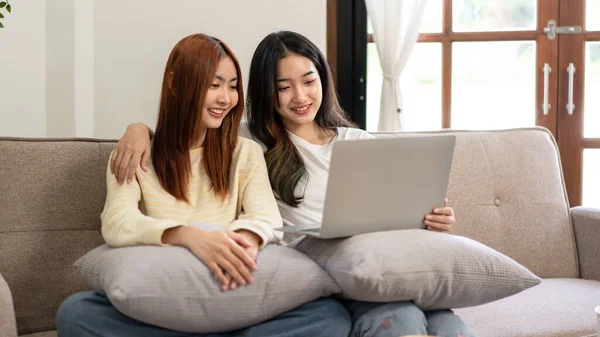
(8, 325)
(586, 224)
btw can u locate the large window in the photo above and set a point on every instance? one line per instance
(495, 64)
(479, 66)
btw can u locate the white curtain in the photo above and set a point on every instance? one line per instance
(396, 26)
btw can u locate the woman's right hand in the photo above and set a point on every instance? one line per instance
(223, 252)
(133, 149)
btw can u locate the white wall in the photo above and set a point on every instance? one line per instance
(132, 48)
(104, 59)
(60, 53)
(83, 68)
(22, 70)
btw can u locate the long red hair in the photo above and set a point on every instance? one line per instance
(188, 75)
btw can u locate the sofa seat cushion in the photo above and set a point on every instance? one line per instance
(554, 308)
(41, 334)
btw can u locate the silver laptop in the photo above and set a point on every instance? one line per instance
(382, 184)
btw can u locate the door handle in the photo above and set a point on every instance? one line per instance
(545, 105)
(570, 106)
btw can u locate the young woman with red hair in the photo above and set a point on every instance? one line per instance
(200, 172)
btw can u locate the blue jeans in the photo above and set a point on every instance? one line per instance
(90, 314)
(403, 318)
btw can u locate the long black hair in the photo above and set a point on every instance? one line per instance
(284, 163)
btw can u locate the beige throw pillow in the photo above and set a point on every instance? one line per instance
(170, 288)
(435, 270)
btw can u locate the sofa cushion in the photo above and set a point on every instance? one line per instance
(555, 308)
(434, 270)
(506, 188)
(40, 272)
(169, 287)
(52, 194)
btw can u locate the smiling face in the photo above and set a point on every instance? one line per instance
(299, 91)
(221, 96)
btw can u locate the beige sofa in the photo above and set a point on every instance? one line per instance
(506, 188)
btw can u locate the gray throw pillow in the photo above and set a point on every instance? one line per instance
(170, 288)
(435, 270)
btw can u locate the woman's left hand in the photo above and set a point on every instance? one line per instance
(441, 220)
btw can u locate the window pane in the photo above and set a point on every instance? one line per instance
(493, 84)
(591, 117)
(432, 18)
(493, 15)
(591, 178)
(421, 85)
(592, 19)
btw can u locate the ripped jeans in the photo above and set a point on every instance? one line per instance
(402, 318)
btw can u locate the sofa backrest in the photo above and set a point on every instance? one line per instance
(506, 188)
(51, 196)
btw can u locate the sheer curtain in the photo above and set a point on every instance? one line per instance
(396, 26)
